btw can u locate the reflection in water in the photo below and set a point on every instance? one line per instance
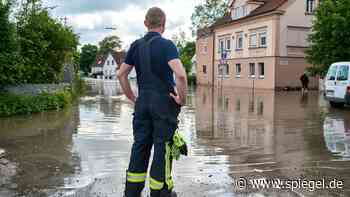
(337, 134)
(230, 133)
(38, 152)
(268, 134)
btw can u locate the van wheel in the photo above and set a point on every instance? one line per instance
(336, 105)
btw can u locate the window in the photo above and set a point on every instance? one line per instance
(107, 62)
(262, 39)
(260, 108)
(221, 45)
(245, 10)
(226, 104)
(252, 70)
(238, 70)
(343, 73)
(224, 70)
(228, 44)
(251, 106)
(331, 73)
(238, 105)
(239, 41)
(204, 49)
(310, 6)
(204, 69)
(239, 12)
(112, 62)
(252, 40)
(261, 70)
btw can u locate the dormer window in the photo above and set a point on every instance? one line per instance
(239, 12)
(310, 6)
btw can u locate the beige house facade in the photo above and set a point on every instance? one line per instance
(259, 44)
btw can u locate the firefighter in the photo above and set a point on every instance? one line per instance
(157, 106)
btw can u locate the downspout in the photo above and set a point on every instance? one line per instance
(213, 86)
(213, 61)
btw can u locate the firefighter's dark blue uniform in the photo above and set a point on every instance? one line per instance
(155, 117)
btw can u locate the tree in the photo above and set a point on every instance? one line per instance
(10, 69)
(330, 38)
(187, 52)
(87, 57)
(109, 43)
(45, 44)
(206, 14)
(186, 48)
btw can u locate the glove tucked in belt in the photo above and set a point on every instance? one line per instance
(179, 146)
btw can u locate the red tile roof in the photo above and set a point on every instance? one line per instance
(118, 57)
(266, 7)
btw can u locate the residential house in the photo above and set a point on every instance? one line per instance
(259, 43)
(106, 66)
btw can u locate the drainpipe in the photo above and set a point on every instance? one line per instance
(213, 61)
(213, 86)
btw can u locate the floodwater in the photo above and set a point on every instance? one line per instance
(234, 136)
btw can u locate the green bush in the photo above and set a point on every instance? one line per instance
(25, 104)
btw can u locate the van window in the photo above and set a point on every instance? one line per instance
(343, 73)
(331, 73)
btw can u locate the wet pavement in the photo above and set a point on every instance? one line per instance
(234, 136)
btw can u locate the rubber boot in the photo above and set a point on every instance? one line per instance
(133, 189)
(167, 193)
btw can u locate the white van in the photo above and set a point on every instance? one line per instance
(337, 84)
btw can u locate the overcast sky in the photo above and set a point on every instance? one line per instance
(90, 17)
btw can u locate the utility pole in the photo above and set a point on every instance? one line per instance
(64, 19)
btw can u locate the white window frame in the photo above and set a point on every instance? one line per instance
(238, 12)
(251, 74)
(251, 44)
(238, 74)
(262, 35)
(221, 40)
(310, 6)
(238, 36)
(245, 10)
(228, 40)
(224, 70)
(261, 76)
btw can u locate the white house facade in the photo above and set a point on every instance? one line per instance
(106, 66)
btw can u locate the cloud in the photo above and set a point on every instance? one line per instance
(89, 18)
(90, 6)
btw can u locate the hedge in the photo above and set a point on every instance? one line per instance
(11, 104)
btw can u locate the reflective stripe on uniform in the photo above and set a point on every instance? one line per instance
(155, 185)
(168, 160)
(136, 177)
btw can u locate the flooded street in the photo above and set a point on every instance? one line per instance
(231, 133)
